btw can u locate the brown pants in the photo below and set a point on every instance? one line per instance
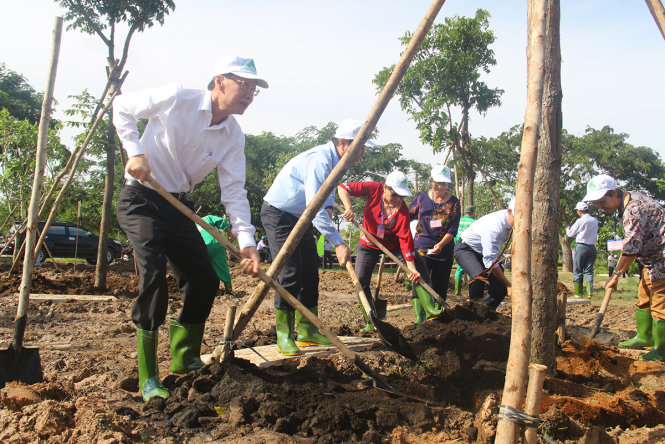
(651, 295)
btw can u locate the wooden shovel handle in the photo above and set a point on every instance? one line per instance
(346, 352)
(399, 263)
(601, 313)
(359, 288)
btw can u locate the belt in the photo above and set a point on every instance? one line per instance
(135, 183)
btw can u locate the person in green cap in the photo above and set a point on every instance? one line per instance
(216, 252)
(466, 220)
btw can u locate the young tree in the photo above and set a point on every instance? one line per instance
(101, 18)
(443, 83)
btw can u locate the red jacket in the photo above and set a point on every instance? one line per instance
(396, 231)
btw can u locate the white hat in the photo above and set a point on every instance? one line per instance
(511, 205)
(598, 186)
(440, 173)
(348, 129)
(582, 206)
(398, 181)
(240, 66)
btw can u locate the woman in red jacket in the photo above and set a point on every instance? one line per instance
(386, 216)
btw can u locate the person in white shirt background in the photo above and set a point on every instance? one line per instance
(585, 232)
(189, 133)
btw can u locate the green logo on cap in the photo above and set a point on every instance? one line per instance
(593, 186)
(249, 66)
(404, 182)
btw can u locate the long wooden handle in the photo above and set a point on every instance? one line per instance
(601, 313)
(346, 352)
(359, 288)
(399, 263)
(379, 276)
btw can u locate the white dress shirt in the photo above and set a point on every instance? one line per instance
(585, 230)
(182, 147)
(487, 235)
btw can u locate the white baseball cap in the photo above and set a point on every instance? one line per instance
(240, 66)
(582, 206)
(348, 129)
(440, 173)
(398, 181)
(511, 205)
(598, 186)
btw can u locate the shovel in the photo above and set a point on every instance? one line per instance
(388, 333)
(399, 263)
(601, 313)
(380, 382)
(19, 363)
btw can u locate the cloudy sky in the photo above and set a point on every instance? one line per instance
(320, 57)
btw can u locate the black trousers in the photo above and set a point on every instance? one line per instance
(300, 275)
(159, 232)
(435, 273)
(472, 262)
(366, 260)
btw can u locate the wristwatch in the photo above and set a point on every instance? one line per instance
(616, 272)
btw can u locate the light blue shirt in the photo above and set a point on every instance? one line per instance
(298, 182)
(487, 235)
(585, 230)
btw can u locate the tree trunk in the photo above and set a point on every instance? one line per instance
(470, 177)
(546, 208)
(566, 252)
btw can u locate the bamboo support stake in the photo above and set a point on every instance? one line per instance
(219, 354)
(534, 396)
(658, 13)
(38, 181)
(520, 338)
(338, 172)
(398, 274)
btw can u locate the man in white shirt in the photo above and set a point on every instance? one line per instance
(189, 133)
(478, 250)
(585, 232)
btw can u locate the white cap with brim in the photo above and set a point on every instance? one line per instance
(511, 205)
(440, 173)
(598, 186)
(398, 181)
(582, 206)
(240, 66)
(348, 129)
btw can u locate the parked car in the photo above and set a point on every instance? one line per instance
(61, 241)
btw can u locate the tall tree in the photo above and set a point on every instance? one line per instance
(101, 17)
(443, 81)
(545, 222)
(18, 97)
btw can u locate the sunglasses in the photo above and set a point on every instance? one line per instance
(244, 84)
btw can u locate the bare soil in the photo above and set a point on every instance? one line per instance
(90, 393)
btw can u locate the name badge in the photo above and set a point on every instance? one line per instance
(380, 231)
(435, 223)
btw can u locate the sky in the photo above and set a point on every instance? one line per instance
(320, 57)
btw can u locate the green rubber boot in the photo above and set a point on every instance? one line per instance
(418, 308)
(228, 289)
(458, 286)
(589, 289)
(643, 338)
(149, 383)
(427, 302)
(308, 334)
(284, 326)
(657, 353)
(368, 326)
(185, 341)
(579, 289)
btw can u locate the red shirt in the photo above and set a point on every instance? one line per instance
(393, 227)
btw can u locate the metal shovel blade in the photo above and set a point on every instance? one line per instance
(392, 337)
(23, 365)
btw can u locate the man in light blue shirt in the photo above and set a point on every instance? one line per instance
(292, 190)
(585, 231)
(479, 248)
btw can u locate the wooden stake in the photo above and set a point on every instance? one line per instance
(520, 339)
(219, 354)
(378, 281)
(338, 172)
(658, 13)
(534, 396)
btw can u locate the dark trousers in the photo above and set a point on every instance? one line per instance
(584, 257)
(159, 232)
(472, 262)
(366, 260)
(300, 275)
(435, 273)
